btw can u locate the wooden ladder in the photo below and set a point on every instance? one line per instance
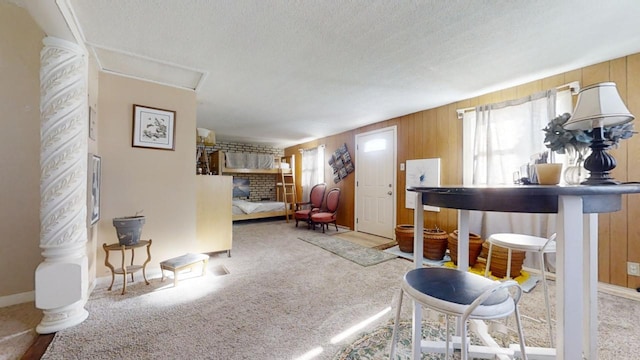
(288, 183)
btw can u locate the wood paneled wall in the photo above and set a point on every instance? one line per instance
(438, 133)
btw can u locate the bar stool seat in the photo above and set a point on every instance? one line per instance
(521, 242)
(461, 294)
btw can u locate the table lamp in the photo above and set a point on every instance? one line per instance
(203, 134)
(204, 159)
(599, 106)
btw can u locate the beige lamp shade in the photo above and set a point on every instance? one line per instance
(598, 105)
(205, 135)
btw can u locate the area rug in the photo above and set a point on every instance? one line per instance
(358, 254)
(376, 344)
(388, 245)
(367, 240)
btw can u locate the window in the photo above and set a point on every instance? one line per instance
(312, 169)
(499, 138)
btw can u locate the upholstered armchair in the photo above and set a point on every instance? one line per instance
(329, 214)
(305, 209)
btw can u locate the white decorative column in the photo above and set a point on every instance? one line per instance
(62, 278)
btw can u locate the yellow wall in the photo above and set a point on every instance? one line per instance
(20, 44)
(160, 182)
(92, 148)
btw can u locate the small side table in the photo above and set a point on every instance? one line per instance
(127, 269)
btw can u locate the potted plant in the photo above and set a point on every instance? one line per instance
(129, 229)
(575, 143)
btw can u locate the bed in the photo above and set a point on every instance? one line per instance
(246, 210)
(251, 163)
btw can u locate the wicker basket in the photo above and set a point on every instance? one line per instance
(499, 256)
(435, 244)
(404, 237)
(434, 241)
(475, 247)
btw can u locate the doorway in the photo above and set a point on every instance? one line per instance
(376, 182)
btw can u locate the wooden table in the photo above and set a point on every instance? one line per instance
(125, 269)
(577, 209)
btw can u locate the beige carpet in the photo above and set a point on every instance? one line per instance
(282, 299)
(617, 340)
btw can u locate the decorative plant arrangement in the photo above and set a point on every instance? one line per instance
(575, 143)
(559, 140)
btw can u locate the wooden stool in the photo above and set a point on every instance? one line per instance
(183, 262)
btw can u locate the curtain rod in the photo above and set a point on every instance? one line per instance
(573, 86)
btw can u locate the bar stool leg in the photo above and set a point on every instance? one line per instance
(488, 266)
(446, 326)
(394, 335)
(546, 296)
(463, 341)
(520, 333)
(509, 263)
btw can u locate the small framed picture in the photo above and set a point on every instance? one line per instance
(349, 168)
(153, 128)
(95, 188)
(92, 123)
(342, 149)
(240, 187)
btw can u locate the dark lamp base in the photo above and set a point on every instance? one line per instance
(600, 162)
(599, 181)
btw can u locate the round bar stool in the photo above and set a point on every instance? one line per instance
(522, 242)
(461, 294)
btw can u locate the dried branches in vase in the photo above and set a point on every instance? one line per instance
(575, 143)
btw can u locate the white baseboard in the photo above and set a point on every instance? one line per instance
(17, 298)
(27, 297)
(619, 291)
(615, 290)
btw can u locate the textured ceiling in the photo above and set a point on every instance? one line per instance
(285, 72)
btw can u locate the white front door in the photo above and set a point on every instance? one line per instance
(376, 182)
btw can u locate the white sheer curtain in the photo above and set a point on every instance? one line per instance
(498, 139)
(312, 169)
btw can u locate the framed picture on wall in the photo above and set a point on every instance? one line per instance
(241, 187)
(92, 123)
(96, 164)
(153, 128)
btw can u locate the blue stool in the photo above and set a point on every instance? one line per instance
(461, 294)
